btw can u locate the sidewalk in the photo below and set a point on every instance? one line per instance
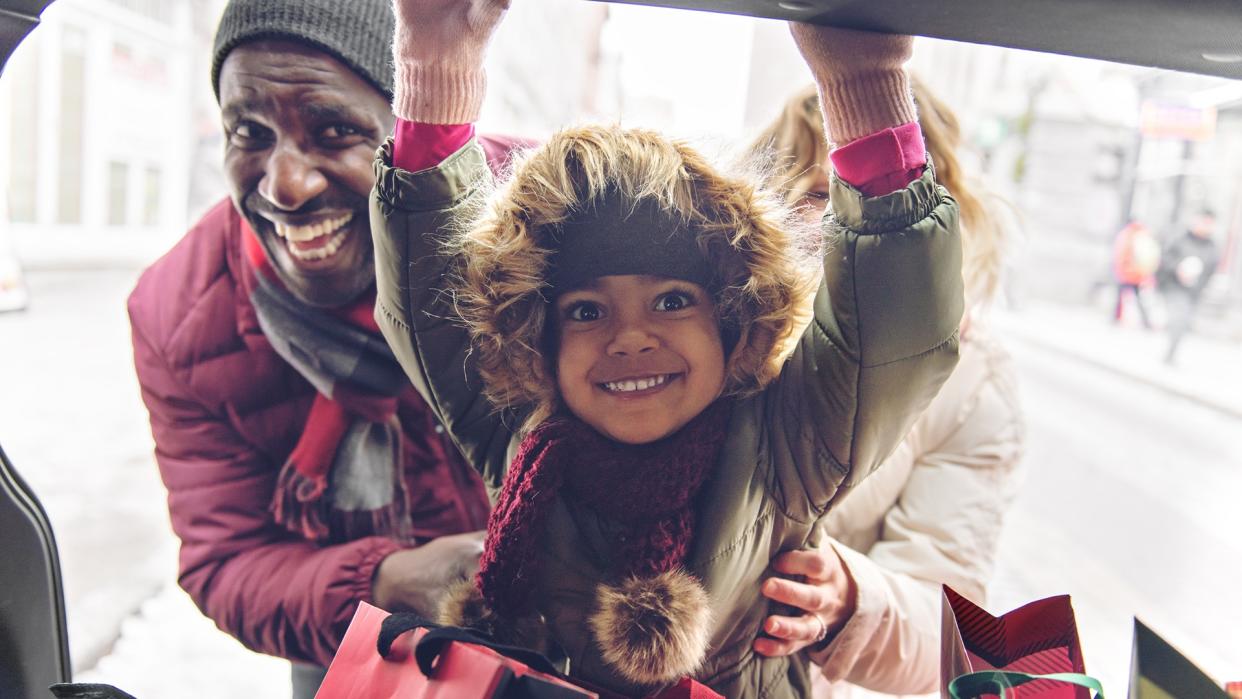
(169, 650)
(1208, 370)
(1146, 548)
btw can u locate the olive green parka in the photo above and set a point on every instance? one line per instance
(883, 339)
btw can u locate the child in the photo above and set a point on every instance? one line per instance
(599, 334)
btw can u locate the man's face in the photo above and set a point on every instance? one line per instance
(301, 131)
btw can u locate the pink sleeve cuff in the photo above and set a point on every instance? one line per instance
(417, 146)
(883, 162)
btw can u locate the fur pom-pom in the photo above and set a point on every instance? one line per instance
(463, 605)
(653, 630)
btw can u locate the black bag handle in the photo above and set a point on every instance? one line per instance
(433, 643)
(396, 624)
(85, 690)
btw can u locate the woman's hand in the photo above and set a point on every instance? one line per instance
(827, 594)
(438, 50)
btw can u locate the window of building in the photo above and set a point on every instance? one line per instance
(151, 198)
(118, 191)
(23, 194)
(72, 121)
(158, 10)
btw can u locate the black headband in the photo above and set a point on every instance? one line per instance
(616, 236)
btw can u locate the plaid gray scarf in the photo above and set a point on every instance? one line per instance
(343, 478)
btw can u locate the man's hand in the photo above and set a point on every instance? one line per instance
(828, 595)
(438, 50)
(415, 579)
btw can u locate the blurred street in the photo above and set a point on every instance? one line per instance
(1130, 504)
(1130, 501)
(72, 421)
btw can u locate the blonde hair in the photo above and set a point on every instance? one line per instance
(758, 246)
(797, 147)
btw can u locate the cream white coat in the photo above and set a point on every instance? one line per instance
(930, 514)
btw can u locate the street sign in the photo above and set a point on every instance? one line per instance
(1177, 121)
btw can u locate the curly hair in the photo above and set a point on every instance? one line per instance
(759, 248)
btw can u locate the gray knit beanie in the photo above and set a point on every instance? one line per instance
(356, 32)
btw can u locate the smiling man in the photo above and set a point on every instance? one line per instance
(300, 127)
(304, 472)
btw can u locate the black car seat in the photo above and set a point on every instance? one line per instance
(17, 19)
(34, 647)
(34, 643)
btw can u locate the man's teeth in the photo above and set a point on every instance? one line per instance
(334, 227)
(303, 234)
(630, 385)
(322, 252)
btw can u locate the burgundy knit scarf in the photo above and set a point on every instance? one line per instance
(647, 490)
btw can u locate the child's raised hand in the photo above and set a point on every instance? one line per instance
(438, 50)
(863, 88)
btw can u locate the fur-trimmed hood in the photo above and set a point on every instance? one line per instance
(761, 251)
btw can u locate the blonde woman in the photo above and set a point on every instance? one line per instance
(932, 512)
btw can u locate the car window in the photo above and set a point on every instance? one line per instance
(110, 148)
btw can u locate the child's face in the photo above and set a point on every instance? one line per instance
(638, 356)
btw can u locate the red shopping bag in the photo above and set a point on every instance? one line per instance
(687, 689)
(374, 663)
(1040, 638)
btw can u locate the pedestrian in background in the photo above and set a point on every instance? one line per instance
(1187, 265)
(1136, 256)
(931, 514)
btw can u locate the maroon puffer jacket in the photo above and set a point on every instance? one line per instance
(225, 412)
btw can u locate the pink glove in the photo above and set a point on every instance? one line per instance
(862, 86)
(438, 49)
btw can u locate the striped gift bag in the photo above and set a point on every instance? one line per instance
(1040, 638)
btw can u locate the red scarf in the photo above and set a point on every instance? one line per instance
(298, 503)
(647, 490)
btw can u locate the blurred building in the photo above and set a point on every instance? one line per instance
(1077, 146)
(94, 149)
(544, 67)
(110, 140)
(1081, 147)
